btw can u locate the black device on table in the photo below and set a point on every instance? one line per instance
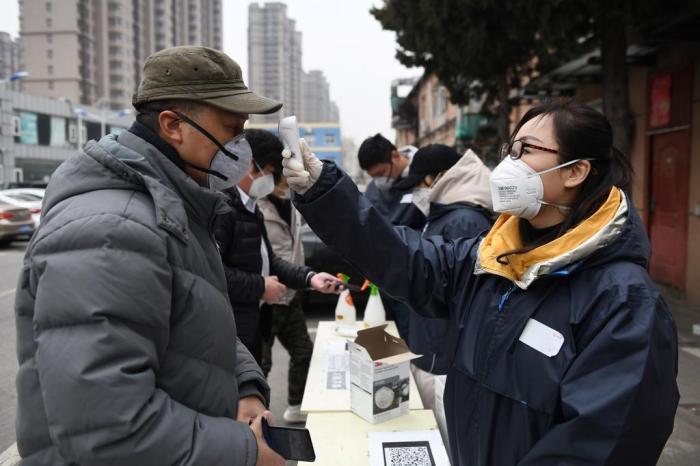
(291, 443)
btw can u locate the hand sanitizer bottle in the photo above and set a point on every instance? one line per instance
(374, 312)
(345, 312)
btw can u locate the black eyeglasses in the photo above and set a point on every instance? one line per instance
(515, 149)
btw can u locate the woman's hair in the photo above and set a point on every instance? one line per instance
(582, 133)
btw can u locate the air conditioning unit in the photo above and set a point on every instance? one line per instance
(16, 126)
(72, 133)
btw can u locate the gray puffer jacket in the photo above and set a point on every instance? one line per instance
(125, 336)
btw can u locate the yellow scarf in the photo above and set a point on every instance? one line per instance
(505, 236)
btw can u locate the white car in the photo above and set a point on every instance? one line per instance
(29, 198)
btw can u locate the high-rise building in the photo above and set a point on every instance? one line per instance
(274, 58)
(93, 50)
(316, 102)
(9, 56)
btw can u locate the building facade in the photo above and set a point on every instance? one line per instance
(87, 50)
(9, 56)
(316, 99)
(274, 58)
(38, 133)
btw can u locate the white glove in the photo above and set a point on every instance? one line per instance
(301, 177)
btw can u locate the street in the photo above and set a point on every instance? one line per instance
(683, 449)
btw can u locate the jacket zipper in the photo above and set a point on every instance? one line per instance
(504, 298)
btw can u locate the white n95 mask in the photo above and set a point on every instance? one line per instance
(516, 188)
(261, 187)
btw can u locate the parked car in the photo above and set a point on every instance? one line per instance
(15, 222)
(29, 198)
(320, 258)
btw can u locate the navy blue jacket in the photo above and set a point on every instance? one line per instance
(608, 396)
(429, 336)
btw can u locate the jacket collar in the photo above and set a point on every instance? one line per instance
(595, 232)
(175, 194)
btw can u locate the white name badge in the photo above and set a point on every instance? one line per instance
(544, 339)
(407, 198)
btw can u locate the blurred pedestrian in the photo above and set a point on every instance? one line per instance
(255, 274)
(288, 324)
(388, 166)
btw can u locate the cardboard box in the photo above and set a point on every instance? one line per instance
(379, 375)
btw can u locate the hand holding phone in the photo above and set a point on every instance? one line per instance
(266, 455)
(292, 443)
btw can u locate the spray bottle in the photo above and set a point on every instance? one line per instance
(374, 312)
(345, 313)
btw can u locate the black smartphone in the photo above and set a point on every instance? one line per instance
(292, 443)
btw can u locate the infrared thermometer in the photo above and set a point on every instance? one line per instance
(289, 134)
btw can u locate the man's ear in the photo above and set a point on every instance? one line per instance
(577, 174)
(170, 126)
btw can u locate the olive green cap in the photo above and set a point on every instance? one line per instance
(202, 75)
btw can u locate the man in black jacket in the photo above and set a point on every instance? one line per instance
(254, 273)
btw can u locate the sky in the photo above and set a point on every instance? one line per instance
(339, 37)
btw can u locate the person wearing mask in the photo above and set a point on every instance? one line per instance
(255, 274)
(387, 165)
(126, 339)
(564, 350)
(288, 324)
(454, 194)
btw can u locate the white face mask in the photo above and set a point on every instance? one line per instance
(262, 186)
(516, 188)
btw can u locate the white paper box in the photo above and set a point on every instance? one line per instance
(379, 375)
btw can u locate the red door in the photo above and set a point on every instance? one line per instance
(670, 160)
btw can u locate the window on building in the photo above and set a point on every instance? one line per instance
(49, 53)
(49, 69)
(440, 97)
(49, 22)
(58, 132)
(44, 129)
(49, 38)
(116, 36)
(330, 139)
(50, 84)
(92, 131)
(48, 6)
(28, 128)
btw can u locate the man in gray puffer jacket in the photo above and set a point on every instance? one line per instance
(126, 338)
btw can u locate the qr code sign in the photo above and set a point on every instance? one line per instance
(408, 454)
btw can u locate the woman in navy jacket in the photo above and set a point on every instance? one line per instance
(564, 353)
